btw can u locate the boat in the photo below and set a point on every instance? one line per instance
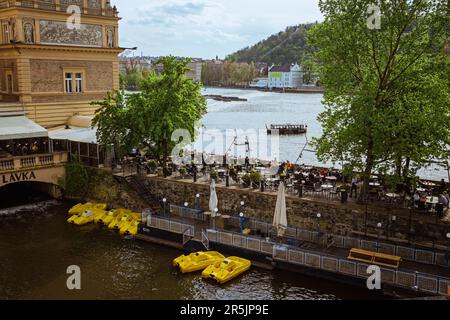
(122, 219)
(226, 269)
(131, 229)
(85, 218)
(197, 261)
(80, 208)
(287, 129)
(111, 216)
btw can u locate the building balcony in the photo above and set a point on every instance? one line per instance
(56, 5)
(32, 162)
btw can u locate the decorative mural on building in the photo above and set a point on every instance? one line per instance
(94, 4)
(55, 32)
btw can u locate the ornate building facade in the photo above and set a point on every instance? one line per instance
(56, 57)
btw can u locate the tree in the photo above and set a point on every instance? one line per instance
(166, 102)
(386, 88)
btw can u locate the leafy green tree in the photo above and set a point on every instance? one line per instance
(166, 102)
(386, 95)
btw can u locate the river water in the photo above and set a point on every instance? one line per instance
(264, 108)
(37, 246)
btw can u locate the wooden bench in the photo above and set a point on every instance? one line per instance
(371, 257)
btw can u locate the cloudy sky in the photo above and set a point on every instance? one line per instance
(206, 28)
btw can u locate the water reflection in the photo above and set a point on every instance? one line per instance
(36, 249)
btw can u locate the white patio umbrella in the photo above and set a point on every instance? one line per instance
(280, 217)
(213, 201)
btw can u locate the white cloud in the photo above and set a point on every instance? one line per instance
(204, 28)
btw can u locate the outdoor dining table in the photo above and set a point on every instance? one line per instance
(392, 195)
(421, 189)
(374, 184)
(331, 178)
(432, 200)
(327, 186)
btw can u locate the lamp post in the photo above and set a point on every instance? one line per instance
(379, 226)
(197, 201)
(241, 222)
(448, 248)
(319, 216)
(242, 206)
(164, 204)
(216, 211)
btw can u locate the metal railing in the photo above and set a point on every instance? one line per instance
(412, 280)
(420, 255)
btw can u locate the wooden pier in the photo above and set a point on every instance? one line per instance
(287, 129)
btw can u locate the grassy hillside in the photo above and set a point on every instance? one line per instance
(285, 47)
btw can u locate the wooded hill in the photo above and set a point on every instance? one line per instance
(287, 46)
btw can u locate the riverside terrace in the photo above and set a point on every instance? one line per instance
(429, 198)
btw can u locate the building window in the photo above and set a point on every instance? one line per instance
(68, 80)
(5, 33)
(78, 82)
(74, 81)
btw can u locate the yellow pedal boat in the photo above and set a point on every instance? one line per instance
(197, 261)
(80, 208)
(110, 216)
(226, 269)
(85, 218)
(123, 219)
(131, 228)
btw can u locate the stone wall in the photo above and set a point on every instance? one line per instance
(48, 76)
(336, 218)
(103, 188)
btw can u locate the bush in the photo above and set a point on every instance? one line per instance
(246, 179)
(182, 171)
(76, 180)
(214, 175)
(153, 164)
(255, 177)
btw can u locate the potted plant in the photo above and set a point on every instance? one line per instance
(246, 180)
(255, 178)
(214, 175)
(182, 171)
(152, 165)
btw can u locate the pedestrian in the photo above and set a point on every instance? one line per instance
(354, 187)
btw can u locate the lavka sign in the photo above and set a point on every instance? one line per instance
(18, 177)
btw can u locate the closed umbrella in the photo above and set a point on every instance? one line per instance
(213, 201)
(280, 217)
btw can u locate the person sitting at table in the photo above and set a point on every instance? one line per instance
(443, 200)
(443, 185)
(422, 202)
(447, 196)
(416, 199)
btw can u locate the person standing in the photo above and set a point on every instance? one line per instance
(354, 187)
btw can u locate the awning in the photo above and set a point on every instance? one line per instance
(20, 127)
(84, 135)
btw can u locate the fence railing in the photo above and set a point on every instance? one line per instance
(180, 211)
(412, 280)
(419, 255)
(169, 225)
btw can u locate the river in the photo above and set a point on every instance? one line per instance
(265, 108)
(37, 246)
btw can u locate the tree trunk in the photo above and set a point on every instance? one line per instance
(367, 171)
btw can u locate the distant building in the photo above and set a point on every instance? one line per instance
(260, 83)
(285, 76)
(134, 63)
(195, 70)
